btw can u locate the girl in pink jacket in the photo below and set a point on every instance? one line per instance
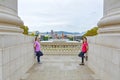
(84, 49)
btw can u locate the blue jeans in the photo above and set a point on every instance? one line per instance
(38, 55)
(82, 56)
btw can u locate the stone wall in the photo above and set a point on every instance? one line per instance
(104, 56)
(16, 56)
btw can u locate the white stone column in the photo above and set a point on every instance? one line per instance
(110, 23)
(16, 49)
(9, 20)
(104, 49)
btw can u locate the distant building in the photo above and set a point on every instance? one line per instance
(52, 34)
(56, 36)
(37, 33)
(77, 38)
(62, 35)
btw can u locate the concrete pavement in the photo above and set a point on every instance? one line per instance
(59, 68)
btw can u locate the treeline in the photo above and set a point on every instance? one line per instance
(91, 32)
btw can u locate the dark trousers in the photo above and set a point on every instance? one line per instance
(38, 56)
(82, 59)
(82, 56)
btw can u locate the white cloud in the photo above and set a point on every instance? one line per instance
(67, 15)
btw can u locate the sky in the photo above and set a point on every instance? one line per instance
(60, 15)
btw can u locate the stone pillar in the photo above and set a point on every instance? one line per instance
(110, 23)
(16, 49)
(104, 49)
(9, 20)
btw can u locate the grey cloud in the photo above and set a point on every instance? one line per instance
(72, 15)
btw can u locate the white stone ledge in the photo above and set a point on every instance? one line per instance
(104, 45)
(7, 41)
(106, 41)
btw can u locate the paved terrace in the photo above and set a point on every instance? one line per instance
(56, 67)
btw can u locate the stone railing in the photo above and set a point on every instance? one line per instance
(60, 48)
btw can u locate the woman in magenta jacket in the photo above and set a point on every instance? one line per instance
(37, 48)
(84, 49)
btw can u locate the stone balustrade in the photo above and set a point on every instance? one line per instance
(60, 48)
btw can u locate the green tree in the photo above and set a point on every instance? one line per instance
(25, 29)
(45, 38)
(70, 38)
(91, 32)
